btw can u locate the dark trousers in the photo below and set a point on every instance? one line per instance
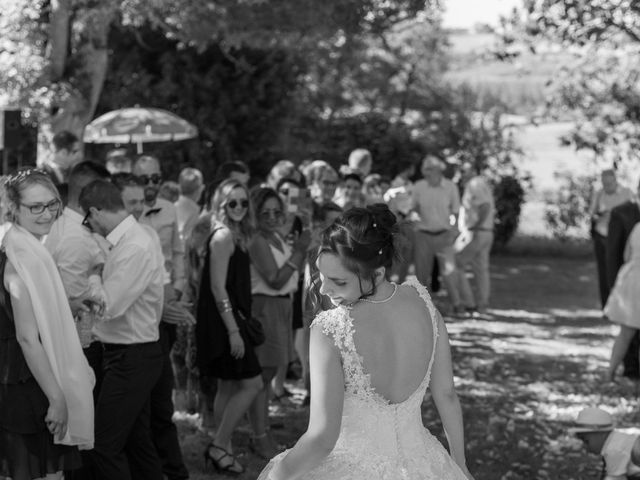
(123, 448)
(164, 431)
(599, 248)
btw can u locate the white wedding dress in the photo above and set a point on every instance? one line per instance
(378, 440)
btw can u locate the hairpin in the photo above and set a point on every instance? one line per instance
(18, 177)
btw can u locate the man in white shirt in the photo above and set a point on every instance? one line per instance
(436, 200)
(165, 434)
(133, 283)
(77, 252)
(187, 208)
(473, 246)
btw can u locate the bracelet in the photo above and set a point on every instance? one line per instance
(224, 306)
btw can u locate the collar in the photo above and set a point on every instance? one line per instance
(117, 233)
(72, 215)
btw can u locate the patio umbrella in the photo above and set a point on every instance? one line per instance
(138, 125)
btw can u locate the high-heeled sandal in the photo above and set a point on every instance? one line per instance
(233, 468)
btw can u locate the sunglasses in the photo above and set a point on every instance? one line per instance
(53, 206)
(234, 203)
(155, 179)
(85, 220)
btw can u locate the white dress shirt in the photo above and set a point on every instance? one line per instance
(75, 250)
(133, 280)
(162, 217)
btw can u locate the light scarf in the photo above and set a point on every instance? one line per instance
(58, 334)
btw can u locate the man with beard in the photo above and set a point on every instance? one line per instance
(161, 215)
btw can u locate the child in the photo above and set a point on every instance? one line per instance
(620, 450)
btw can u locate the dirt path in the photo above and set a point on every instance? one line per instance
(522, 374)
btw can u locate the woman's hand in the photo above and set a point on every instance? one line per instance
(56, 418)
(237, 345)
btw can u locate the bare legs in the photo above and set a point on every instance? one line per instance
(620, 346)
(259, 416)
(232, 402)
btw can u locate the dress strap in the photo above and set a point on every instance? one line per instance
(433, 313)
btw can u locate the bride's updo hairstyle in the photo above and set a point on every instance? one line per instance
(363, 239)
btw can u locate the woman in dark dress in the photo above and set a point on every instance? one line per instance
(39, 422)
(223, 349)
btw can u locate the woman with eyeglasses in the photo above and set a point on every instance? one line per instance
(275, 267)
(224, 350)
(46, 401)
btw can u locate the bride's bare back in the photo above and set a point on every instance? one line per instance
(395, 341)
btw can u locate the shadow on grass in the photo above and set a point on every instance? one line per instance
(522, 374)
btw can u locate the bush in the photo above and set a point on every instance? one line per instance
(509, 197)
(566, 212)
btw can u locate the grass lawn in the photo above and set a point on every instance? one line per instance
(522, 374)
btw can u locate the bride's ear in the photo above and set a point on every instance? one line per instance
(379, 274)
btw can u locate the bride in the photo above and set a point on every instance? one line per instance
(372, 359)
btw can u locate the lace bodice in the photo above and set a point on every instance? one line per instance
(338, 324)
(378, 439)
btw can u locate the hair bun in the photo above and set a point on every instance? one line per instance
(382, 218)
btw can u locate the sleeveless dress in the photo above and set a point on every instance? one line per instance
(213, 353)
(623, 305)
(27, 450)
(378, 439)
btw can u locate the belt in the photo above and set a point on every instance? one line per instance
(112, 347)
(436, 232)
(286, 295)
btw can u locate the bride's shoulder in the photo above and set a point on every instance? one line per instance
(331, 322)
(422, 291)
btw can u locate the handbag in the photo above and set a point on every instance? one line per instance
(252, 328)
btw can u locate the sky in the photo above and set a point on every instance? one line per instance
(466, 13)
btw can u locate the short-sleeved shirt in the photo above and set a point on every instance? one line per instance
(435, 204)
(162, 217)
(477, 192)
(616, 452)
(602, 204)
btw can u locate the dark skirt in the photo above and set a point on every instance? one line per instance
(225, 367)
(27, 450)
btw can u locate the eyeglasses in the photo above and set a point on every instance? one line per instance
(147, 179)
(234, 203)
(53, 206)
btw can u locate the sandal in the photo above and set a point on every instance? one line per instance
(232, 468)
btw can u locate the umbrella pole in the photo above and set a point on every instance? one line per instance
(139, 148)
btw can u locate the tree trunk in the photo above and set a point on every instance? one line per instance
(83, 85)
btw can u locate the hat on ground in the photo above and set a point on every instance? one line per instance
(592, 420)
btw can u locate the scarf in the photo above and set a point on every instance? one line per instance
(58, 334)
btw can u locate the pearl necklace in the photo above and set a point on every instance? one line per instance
(395, 289)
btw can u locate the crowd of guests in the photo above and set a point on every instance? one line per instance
(161, 285)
